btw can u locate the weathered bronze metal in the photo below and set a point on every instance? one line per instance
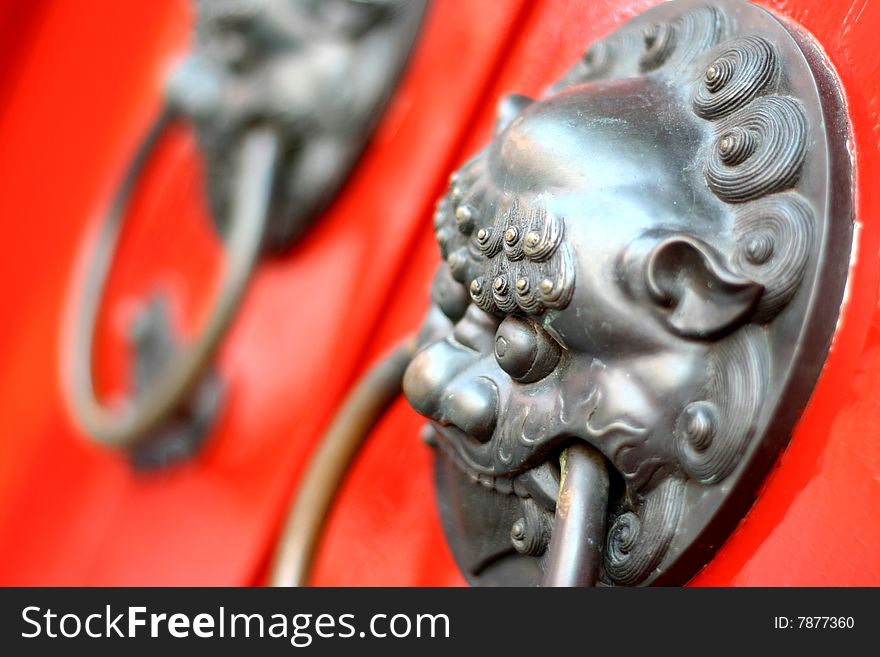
(283, 95)
(167, 393)
(642, 270)
(364, 406)
(318, 72)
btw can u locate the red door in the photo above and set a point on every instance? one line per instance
(81, 84)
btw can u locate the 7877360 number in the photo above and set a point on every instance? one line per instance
(814, 622)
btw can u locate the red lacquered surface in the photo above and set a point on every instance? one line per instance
(86, 88)
(817, 521)
(80, 87)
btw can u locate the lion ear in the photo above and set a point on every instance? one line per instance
(508, 109)
(697, 294)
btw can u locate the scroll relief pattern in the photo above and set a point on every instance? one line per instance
(614, 265)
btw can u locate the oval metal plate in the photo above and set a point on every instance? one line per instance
(649, 259)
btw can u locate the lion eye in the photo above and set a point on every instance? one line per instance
(524, 350)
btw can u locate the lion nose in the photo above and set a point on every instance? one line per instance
(472, 406)
(430, 372)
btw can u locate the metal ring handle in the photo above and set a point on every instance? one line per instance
(575, 551)
(360, 412)
(132, 425)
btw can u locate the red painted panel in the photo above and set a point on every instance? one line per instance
(817, 521)
(80, 87)
(72, 513)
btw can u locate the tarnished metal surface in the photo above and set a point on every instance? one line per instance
(300, 538)
(318, 72)
(284, 95)
(650, 260)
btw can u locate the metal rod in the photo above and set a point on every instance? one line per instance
(373, 394)
(576, 547)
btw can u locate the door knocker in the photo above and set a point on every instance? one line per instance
(641, 277)
(283, 95)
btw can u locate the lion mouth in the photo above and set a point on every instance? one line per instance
(537, 478)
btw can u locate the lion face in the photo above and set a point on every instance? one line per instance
(565, 337)
(318, 73)
(614, 264)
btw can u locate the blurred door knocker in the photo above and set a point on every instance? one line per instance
(641, 277)
(283, 95)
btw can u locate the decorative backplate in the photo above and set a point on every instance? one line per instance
(649, 260)
(318, 72)
(283, 95)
